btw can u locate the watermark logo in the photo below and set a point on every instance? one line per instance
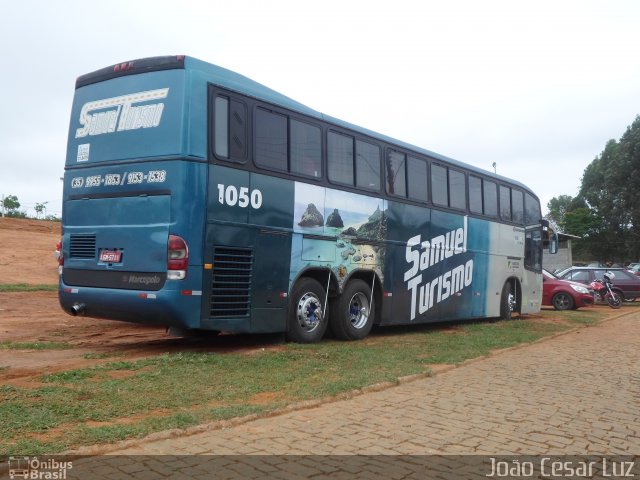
(38, 469)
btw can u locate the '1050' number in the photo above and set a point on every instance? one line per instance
(232, 196)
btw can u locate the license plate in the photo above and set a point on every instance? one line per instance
(110, 256)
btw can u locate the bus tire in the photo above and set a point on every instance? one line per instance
(307, 320)
(506, 302)
(352, 313)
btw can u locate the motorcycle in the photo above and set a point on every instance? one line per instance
(604, 292)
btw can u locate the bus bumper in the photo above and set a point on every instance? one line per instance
(171, 308)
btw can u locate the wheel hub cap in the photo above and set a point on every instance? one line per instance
(309, 312)
(359, 310)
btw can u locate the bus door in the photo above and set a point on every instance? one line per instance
(532, 281)
(247, 251)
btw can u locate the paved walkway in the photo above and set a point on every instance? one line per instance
(577, 393)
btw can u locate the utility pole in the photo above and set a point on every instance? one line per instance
(2, 205)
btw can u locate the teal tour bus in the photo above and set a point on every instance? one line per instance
(199, 199)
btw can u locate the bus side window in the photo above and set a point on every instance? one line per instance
(238, 131)
(271, 140)
(475, 194)
(457, 190)
(340, 158)
(417, 179)
(517, 205)
(490, 196)
(439, 185)
(230, 129)
(221, 127)
(367, 166)
(396, 175)
(305, 149)
(505, 203)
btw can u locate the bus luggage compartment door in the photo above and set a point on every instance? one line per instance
(248, 281)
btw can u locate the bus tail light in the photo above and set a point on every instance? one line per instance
(177, 258)
(59, 257)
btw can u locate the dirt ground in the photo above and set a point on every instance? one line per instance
(32, 317)
(28, 248)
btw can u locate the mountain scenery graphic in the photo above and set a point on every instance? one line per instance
(375, 227)
(312, 217)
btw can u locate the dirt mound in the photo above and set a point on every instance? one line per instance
(30, 225)
(28, 251)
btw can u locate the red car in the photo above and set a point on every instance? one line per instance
(563, 294)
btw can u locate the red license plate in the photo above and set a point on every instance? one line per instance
(110, 256)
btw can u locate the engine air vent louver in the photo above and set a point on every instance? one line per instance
(231, 284)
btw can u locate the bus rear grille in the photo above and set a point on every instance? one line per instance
(231, 284)
(82, 246)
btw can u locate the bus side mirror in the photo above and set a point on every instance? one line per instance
(553, 244)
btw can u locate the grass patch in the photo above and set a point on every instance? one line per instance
(583, 317)
(101, 356)
(10, 345)
(69, 376)
(127, 399)
(25, 287)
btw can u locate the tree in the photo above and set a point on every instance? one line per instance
(10, 204)
(558, 207)
(609, 188)
(606, 212)
(629, 193)
(41, 209)
(584, 223)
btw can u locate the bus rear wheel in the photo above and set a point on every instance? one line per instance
(307, 316)
(353, 312)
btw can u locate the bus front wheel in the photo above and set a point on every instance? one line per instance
(507, 302)
(307, 315)
(353, 312)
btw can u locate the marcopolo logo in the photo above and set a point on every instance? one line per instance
(36, 468)
(142, 279)
(117, 114)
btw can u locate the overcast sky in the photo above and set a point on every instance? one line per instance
(537, 87)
